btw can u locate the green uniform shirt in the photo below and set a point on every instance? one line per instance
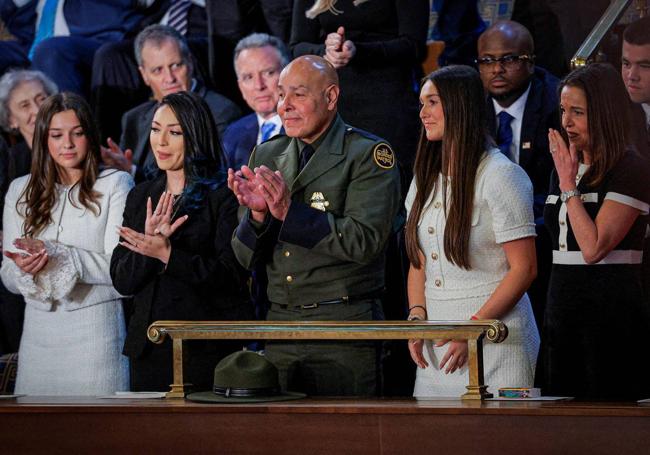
(331, 243)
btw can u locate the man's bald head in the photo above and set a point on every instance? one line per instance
(505, 80)
(512, 32)
(313, 66)
(309, 91)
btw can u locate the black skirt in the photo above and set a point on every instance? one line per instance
(595, 338)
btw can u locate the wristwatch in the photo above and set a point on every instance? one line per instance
(566, 195)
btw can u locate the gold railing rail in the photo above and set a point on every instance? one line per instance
(585, 52)
(472, 331)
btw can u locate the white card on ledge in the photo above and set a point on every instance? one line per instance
(134, 395)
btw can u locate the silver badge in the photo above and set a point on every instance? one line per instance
(318, 201)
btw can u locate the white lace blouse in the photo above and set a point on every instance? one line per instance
(79, 245)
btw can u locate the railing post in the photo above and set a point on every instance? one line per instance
(178, 387)
(476, 390)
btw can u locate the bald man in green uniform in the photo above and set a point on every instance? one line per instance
(320, 204)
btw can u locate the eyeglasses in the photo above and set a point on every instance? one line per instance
(509, 62)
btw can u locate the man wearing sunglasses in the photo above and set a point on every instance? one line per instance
(522, 105)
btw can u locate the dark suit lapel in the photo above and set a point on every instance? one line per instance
(249, 135)
(530, 122)
(491, 118)
(143, 150)
(328, 155)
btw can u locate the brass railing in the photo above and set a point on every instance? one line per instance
(472, 331)
(585, 52)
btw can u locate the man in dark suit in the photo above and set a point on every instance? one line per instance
(259, 58)
(522, 105)
(116, 84)
(635, 70)
(165, 66)
(319, 211)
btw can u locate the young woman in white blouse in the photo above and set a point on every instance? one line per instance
(469, 238)
(60, 226)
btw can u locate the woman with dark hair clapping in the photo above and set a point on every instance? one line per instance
(594, 340)
(59, 230)
(175, 257)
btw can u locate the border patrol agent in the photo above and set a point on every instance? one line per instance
(320, 207)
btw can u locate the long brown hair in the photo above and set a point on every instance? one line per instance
(40, 194)
(465, 138)
(608, 116)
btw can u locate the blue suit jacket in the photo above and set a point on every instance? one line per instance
(239, 139)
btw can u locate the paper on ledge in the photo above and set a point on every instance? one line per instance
(134, 395)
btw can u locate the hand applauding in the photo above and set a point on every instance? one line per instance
(34, 257)
(154, 242)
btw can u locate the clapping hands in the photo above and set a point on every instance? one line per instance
(33, 258)
(158, 227)
(261, 190)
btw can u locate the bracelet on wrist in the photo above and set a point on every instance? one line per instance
(411, 308)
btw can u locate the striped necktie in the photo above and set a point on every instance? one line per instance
(178, 15)
(45, 27)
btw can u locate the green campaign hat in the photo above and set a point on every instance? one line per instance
(245, 377)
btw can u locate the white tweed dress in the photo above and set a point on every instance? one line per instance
(74, 324)
(502, 212)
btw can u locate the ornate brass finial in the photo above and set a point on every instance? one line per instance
(497, 332)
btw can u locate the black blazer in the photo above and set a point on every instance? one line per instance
(540, 113)
(202, 281)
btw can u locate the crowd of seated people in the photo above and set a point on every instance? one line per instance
(134, 191)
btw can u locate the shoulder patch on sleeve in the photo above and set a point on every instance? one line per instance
(383, 156)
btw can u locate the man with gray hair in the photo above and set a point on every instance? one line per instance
(259, 59)
(165, 64)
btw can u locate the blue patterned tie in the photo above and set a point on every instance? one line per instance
(45, 27)
(504, 133)
(178, 15)
(267, 130)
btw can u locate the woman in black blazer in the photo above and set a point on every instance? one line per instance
(176, 260)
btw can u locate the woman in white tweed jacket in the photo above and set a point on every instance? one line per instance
(60, 230)
(469, 237)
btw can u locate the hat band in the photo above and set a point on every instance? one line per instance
(235, 392)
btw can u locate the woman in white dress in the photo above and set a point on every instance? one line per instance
(60, 226)
(472, 252)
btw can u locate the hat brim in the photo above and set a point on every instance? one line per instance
(211, 397)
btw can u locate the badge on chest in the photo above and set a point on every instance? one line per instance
(318, 201)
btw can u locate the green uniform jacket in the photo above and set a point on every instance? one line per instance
(344, 201)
